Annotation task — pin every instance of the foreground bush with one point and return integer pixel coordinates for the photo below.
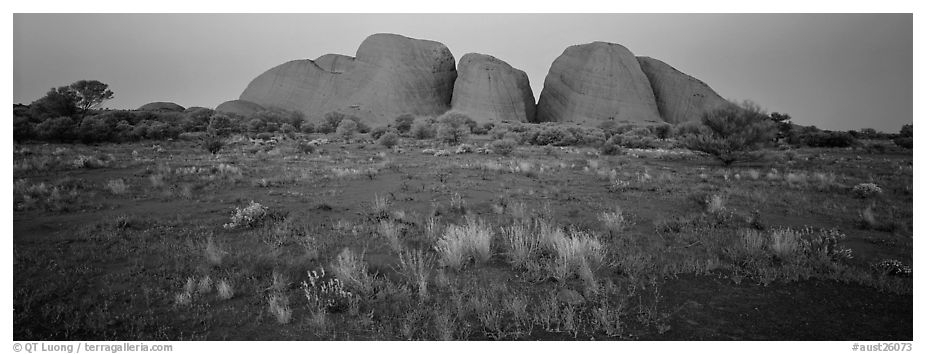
(733, 133)
(453, 127)
(462, 243)
(389, 139)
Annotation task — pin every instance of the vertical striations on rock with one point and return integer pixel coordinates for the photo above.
(595, 82)
(489, 90)
(680, 97)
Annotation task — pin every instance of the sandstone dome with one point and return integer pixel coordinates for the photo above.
(239, 107)
(680, 97)
(489, 90)
(390, 75)
(596, 82)
(161, 106)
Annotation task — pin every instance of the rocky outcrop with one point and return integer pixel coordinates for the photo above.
(390, 75)
(161, 106)
(595, 82)
(680, 97)
(489, 90)
(239, 107)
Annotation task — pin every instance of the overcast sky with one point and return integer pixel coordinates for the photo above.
(835, 71)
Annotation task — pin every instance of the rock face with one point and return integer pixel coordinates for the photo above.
(161, 106)
(595, 82)
(390, 75)
(680, 97)
(240, 107)
(489, 90)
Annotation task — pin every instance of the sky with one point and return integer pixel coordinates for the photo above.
(835, 71)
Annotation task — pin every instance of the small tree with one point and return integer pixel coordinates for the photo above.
(403, 123)
(330, 122)
(213, 143)
(389, 139)
(453, 127)
(60, 102)
(60, 129)
(422, 130)
(347, 128)
(221, 124)
(90, 94)
(733, 133)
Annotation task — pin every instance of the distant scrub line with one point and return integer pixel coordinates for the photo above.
(730, 133)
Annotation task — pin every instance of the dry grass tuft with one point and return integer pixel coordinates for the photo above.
(521, 244)
(225, 290)
(416, 267)
(460, 243)
(279, 308)
(352, 271)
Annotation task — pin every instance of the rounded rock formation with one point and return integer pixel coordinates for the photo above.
(161, 106)
(680, 97)
(390, 75)
(596, 82)
(489, 90)
(239, 107)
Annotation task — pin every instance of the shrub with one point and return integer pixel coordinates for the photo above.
(827, 139)
(453, 127)
(377, 132)
(248, 217)
(422, 130)
(117, 186)
(661, 131)
(213, 143)
(503, 147)
(347, 128)
(389, 139)
(634, 141)
(733, 133)
(498, 131)
(610, 147)
(60, 129)
(904, 142)
(330, 122)
(865, 190)
(57, 102)
(554, 135)
(403, 123)
(221, 125)
(22, 128)
(95, 129)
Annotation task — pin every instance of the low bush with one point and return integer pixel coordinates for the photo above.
(453, 127)
(422, 130)
(503, 147)
(389, 139)
(733, 133)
